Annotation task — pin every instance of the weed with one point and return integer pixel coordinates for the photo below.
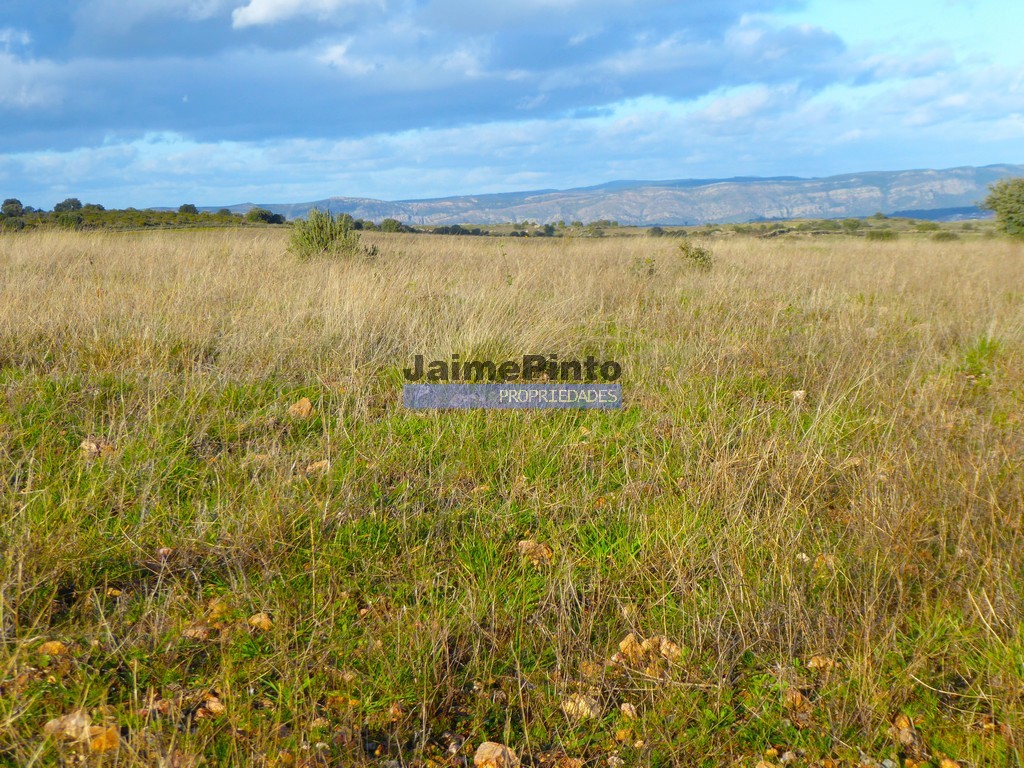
(696, 256)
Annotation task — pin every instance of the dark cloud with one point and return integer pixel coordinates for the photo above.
(182, 66)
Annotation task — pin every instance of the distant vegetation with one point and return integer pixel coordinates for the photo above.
(71, 214)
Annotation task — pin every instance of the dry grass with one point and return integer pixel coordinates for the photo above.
(874, 521)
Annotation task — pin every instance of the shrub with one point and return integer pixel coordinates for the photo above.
(69, 220)
(946, 235)
(12, 224)
(391, 225)
(188, 208)
(882, 234)
(927, 226)
(323, 234)
(696, 256)
(644, 266)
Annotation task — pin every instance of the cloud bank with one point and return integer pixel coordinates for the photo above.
(430, 97)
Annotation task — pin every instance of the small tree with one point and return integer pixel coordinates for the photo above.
(391, 225)
(188, 208)
(1006, 198)
(12, 207)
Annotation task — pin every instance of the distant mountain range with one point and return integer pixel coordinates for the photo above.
(953, 193)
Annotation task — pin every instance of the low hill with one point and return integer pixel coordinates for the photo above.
(952, 193)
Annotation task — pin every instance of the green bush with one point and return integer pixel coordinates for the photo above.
(323, 234)
(882, 234)
(945, 235)
(69, 220)
(696, 256)
(927, 226)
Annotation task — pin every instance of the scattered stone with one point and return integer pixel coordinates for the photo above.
(103, 738)
(580, 707)
(261, 621)
(302, 409)
(53, 648)
(96, 448)
(317, 467)
(537, 553)
(490, 754)
(821, 663)
(72, 727)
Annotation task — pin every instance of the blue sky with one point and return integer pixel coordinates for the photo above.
(159, 102)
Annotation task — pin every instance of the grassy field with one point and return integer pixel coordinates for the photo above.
(800, 542)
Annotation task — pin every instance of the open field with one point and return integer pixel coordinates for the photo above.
(812, 504)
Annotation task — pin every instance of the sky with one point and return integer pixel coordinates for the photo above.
(217, 102)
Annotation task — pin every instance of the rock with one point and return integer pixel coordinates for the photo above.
(580, 707)
(537, 553)
(303, 409)
(53, 648)
(261, 621)
(490, 754)
(103, 738)
(72, 727)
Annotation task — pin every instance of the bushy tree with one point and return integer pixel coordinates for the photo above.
(262, 214)
(391, 225)
(1006, 198)
(12, 207)
(68, 206)
(188, 208)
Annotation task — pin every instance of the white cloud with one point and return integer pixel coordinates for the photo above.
(28, 84)
(258, 12)
(10, 37)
